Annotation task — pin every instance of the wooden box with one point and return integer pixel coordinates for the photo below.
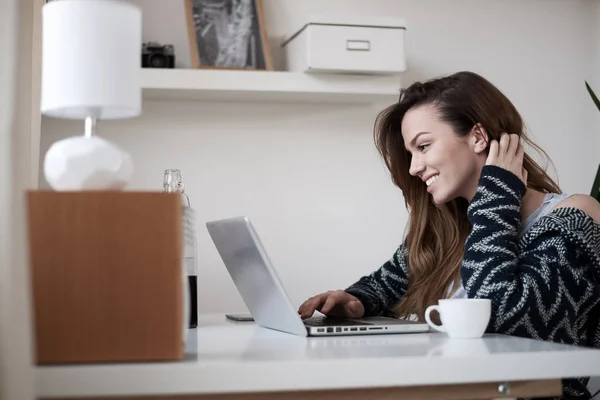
(107, 279)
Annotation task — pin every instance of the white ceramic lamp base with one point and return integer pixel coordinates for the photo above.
(87, 163)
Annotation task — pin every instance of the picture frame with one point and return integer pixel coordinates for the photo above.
(228, 34)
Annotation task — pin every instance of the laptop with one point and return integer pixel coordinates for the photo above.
(246, 260)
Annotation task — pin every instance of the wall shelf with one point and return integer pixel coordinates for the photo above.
(267, 86)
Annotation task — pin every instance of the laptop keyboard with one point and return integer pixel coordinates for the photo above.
(331, 321)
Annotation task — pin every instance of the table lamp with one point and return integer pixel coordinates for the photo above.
(90, 71)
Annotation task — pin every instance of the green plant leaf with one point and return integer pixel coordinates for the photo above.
(593, 95)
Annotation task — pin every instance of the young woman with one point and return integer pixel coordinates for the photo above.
(485, 221)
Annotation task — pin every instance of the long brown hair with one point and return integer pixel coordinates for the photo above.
(437, 233)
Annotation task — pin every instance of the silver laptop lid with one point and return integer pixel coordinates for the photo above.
(250, 268)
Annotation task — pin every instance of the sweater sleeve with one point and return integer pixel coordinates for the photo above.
(384, 287)
(539, 293)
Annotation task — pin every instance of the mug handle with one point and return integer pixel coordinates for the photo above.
(428, 311)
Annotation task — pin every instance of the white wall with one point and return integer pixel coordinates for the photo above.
(308, 175)
(16, 372)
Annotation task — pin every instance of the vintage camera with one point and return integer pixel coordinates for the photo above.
(155, 55)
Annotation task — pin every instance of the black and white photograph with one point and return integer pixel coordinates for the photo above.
(228, 34)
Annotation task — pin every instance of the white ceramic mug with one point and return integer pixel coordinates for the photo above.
(461, 318)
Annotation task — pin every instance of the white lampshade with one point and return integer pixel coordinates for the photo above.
(91, 56)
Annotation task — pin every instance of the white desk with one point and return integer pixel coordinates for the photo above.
(230, 358)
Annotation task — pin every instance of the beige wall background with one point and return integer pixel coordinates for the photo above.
(16, 149)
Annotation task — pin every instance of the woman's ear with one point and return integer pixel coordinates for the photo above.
(480, 138)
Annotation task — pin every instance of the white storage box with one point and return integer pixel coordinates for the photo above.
(365, 46)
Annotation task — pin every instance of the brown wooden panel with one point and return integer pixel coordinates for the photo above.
(476, 391)
(106, 275)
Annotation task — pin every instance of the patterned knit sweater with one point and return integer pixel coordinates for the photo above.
(544, 286)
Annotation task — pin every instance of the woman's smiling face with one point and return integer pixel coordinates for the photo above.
(448, 164)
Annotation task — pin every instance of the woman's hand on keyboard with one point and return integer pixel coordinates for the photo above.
(335, 303)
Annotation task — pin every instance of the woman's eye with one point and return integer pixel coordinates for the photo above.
(423, 146)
